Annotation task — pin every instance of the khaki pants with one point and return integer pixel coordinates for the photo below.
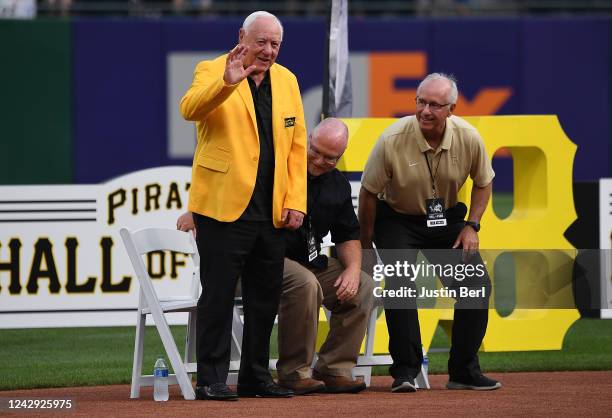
(303, 292)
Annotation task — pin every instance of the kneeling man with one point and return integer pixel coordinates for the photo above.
(311, 279)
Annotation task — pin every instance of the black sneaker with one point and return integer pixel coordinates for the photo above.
(403, 384)
(478, 382)
(216, 392)
(263, 390)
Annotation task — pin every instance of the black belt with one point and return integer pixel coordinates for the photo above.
(455, 214)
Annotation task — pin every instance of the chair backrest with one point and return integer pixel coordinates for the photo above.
(155, 239)
(146, 240)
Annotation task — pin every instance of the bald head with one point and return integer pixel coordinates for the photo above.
(328, 142)
(331, 132)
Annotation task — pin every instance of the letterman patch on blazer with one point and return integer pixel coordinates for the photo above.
(289, 122)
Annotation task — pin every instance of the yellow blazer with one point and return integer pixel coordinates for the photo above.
(227, 153)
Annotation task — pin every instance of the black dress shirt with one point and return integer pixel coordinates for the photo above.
(330, 208)
(260, 205)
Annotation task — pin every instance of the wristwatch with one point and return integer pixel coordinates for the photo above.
(474, 225)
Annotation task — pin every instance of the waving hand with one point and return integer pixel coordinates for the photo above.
(234, 65)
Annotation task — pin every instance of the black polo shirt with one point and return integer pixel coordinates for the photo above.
(330, 208)
(260, 205)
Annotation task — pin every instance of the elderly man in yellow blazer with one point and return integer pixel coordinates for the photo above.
(248, 185)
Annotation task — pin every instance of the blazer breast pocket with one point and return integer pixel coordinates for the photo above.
(214, 164)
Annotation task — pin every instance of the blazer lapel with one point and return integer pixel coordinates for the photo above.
(245, 92)
(276, 102)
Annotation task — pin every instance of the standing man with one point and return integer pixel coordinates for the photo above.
(408, 200)
(248, 184)
(310, 278)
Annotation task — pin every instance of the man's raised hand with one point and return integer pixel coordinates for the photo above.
(234, 65)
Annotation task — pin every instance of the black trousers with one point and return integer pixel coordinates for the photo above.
(395, 231)
(255, 252)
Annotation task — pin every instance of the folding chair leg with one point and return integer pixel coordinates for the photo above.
(141, 322)
(236, 348)
(422, 380)
(365, 372)
(237, 328)
(183, 379)
(190, 340)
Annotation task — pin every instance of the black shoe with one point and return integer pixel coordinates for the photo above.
(263, 390)
(477, 382)
(403, 384)
(216, 391)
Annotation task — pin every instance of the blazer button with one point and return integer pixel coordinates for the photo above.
(254, 158)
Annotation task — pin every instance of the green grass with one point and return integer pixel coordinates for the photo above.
(503, 203)
(587, 346)
(31, 358)
(34, 358)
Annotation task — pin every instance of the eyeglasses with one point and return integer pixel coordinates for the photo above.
(327, 159)
(432, 105)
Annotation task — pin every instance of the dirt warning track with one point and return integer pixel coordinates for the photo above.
(550, 393)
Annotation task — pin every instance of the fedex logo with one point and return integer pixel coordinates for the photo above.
(377, 92)
(387, 100)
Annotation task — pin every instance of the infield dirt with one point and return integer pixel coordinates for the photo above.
(522, 394)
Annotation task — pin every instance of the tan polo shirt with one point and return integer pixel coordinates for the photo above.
(397, 169)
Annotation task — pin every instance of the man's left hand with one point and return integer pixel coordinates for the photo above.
(347, 284)
(292, 219)
(468, 240)
(185, 223)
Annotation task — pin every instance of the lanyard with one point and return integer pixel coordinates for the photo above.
(434, 174)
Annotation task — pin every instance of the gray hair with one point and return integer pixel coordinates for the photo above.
(250, 19)
(452, 98)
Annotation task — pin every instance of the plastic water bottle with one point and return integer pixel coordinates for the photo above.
(160, 380)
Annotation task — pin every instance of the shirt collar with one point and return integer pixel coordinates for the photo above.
(264, 83)
(447, 139)
(321, 177)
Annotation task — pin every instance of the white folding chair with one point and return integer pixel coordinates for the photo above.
(368, 359)
(137, 244)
